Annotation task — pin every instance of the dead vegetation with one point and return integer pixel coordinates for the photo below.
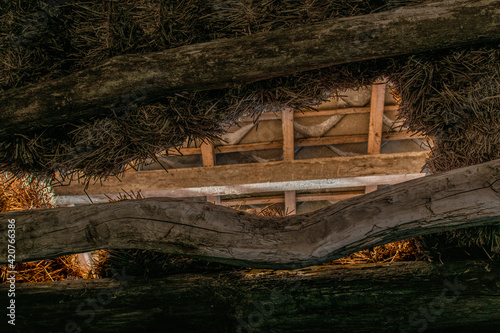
(22, 194)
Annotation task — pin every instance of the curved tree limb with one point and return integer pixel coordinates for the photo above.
(460, 198)
(230, 62)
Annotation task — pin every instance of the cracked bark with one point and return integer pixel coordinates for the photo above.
(457, 199)
(395, 297)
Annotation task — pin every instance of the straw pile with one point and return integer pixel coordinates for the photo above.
(454, 97)
(25, 193)
(40, 41)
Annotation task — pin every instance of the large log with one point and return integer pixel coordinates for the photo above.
(456, 199)
(459, 297)
(230, 62)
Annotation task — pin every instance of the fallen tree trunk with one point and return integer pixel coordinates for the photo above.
(399, 297)
(230, 62)
(456, 199)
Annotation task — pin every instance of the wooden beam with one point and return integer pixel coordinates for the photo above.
(227, 62)
(268, 200)
(316, 113)
(288, 155)
(460, 198)
(296, 185)
(208, 160)
(321, 168)
(207, 154)
(342, 139)
(458, 297)
(307, 142)
(290, 203)
(376, 123)
(288, 135)
(376, 118)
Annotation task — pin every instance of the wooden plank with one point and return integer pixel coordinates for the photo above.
(357, 110)
(290, 203)
(326, 140)
(321, 168)
(207, 154)
(376, 118)
(376, 123)
(342, 139)
(302, 185)
(288, 135)
(288, 155)
(313, 113)
(268, 200)
(250, 147)
(208, 159)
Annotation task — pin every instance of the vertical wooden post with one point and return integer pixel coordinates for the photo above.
(288, 155)
(376, 122)
(208, 159)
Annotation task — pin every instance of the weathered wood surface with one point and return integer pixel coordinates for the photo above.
(456, 199)
(252, 173)
(459, 297)
(297, 185)
(306, 142)
(229, 62)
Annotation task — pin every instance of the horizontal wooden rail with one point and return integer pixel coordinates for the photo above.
(447, 201)
(305, 197)
(317, 113)
(278, 144)
(252, 173)
(207, 191)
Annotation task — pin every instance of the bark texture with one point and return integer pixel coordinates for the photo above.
(399, 297)
(457, 199)
(230, 62)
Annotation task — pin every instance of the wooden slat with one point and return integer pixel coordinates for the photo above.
(326, 140)
(249, 147)
(320, 168)
(313, 113)
(208, 159)
(268, 200)
(376, 123)
(207, 154)
(313, 184)
(376, 118)
(288, 139)
(290, 203)
(342, 139)
(288, 155)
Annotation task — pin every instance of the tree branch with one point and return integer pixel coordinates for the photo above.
(460, 198)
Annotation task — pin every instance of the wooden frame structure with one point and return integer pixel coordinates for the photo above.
(288, 176)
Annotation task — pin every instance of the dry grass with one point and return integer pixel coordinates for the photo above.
(25, 193)
(61, 268)
(454, 97)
